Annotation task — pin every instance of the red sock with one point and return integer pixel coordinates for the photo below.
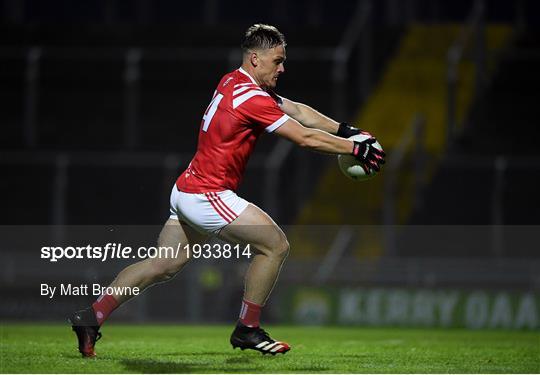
(103, 307)
(250, 314)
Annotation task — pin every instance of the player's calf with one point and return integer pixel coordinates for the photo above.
(162, 270)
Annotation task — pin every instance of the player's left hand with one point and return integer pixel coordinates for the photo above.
(345, 131)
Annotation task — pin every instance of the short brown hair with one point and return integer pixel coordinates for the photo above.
(261, 36)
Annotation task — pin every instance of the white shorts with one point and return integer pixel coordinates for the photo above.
(206, 212)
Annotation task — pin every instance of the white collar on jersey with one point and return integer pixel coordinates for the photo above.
(247, 74)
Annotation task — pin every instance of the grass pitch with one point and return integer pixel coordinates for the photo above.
(43, 348)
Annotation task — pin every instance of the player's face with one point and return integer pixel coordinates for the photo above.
(270, 66)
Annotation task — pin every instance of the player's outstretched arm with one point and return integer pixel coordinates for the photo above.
(321, 141)
(314, 139)
(311, 118)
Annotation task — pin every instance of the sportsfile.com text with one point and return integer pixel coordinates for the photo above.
(119, 251)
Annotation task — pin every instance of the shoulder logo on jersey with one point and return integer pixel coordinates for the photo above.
(227, 82)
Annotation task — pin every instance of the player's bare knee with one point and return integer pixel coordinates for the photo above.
(286, 248)
(281, 250)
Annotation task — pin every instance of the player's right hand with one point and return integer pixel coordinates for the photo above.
(368, 154)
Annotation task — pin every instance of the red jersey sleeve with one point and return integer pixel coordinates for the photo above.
(258, 107)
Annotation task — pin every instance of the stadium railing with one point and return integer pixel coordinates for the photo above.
(414, 135)
(474, 27)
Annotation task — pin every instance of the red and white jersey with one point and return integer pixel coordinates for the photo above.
(239, 112)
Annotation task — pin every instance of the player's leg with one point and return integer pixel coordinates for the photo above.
(86, 323)
(254, 227)
(268, 242)
(152, 271)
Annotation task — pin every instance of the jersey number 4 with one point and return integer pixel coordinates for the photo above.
(211, 111)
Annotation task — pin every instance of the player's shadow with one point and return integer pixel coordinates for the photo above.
(191, 354)
(309, 369)
(148, 366)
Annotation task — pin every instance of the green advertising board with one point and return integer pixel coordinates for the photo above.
(473, 309)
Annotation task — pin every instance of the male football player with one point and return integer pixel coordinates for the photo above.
(203, 199)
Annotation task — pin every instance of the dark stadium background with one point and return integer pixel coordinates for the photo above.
(101, 104)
